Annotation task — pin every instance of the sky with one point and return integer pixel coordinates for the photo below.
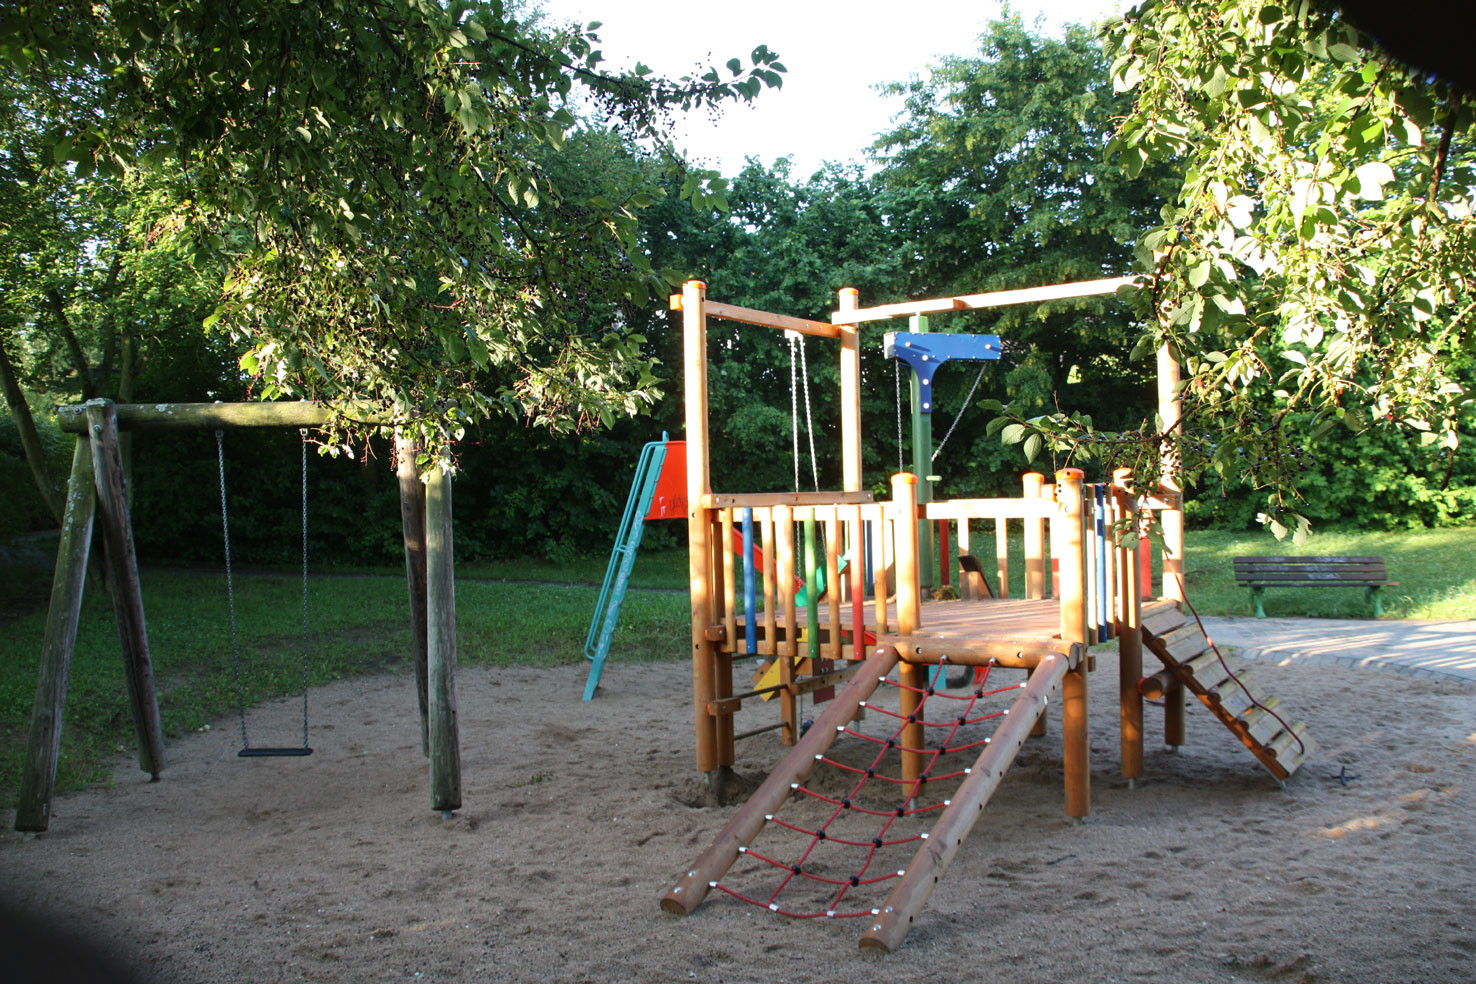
(836, 53)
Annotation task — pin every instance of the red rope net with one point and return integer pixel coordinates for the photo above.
(855, 823)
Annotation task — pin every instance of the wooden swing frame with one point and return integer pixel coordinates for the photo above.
(97, 494)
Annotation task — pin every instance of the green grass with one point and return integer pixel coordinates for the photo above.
(1436, 571)
(653, 569)
(358, 625)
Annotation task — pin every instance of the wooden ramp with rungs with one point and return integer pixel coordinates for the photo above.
(1227, 689)
(888, 924)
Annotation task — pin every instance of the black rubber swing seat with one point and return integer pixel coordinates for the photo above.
(297, 752)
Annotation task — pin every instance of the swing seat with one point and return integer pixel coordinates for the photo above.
(295, 752)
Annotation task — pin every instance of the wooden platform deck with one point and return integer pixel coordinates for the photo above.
(1011, 631)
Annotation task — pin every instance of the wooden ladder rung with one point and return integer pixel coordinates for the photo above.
(1183, 646)
(1288, 741)
(1235, 694)
(1209, 670)
(1163, 621)
(1260, 724)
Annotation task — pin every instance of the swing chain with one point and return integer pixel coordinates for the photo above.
(794, 410)
(231, 589)
(303, 434)
(959, 416)
(897, 375)
(809, 421)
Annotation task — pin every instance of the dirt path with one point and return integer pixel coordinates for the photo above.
(333, 867)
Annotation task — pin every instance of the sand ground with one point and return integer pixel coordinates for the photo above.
(333, 867)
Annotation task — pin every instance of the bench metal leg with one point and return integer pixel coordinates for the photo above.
(1371, 595)
(1256, 598)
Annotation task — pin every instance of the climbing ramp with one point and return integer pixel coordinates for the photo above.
(856, 839)
(1227, 689)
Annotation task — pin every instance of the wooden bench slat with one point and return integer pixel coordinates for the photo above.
(1310, 560)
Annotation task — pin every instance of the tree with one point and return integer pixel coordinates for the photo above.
(994, 176)
(375, 175)
(1314, 269)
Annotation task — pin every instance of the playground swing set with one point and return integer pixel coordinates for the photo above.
(874, 620)
(97, 492)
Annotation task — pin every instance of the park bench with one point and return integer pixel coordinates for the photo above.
(1260, 573)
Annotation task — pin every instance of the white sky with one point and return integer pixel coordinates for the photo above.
(835, 52)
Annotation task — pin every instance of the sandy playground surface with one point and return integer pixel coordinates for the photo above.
(333, 868)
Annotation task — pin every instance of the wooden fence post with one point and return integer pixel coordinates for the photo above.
(445, 743)
(33, 812)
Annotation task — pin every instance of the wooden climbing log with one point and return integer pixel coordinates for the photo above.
(412, 522)
(445, 744)
(930, 862)
(740, 831)
(121, 564)
(38, 778)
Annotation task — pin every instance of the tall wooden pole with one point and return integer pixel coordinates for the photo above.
(1170, 411)
(699, 485)
(1071, 595)
(1129, 634)
(445, 742)
(922, 462)
(1032, 483)
(412, 521)
(121, 562)
(850, 395)
(43, 748)
(909, 617)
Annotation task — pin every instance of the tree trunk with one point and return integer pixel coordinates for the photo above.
(30, 439)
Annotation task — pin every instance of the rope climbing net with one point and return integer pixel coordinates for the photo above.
(852, 821)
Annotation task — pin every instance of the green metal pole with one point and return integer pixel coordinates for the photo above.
(812, 591)
(922, 464)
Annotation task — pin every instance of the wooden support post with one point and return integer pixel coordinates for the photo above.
(33, 812)
(850, 393)
(879, 539)
(1071, 594)
(699, 485)
(121, 563)
(789, 652)
(445, 742)
(1034, 540)
(722, 669)
(858, 586)
(909, 615)
(770, 647)
(412, 522)
(1173, 715)
(1129, 629)
(1170, 411)
(1002, 556)
(886, 931)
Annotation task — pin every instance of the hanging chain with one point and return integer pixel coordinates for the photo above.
(809, 422)
(959, 416)
(225, 525)
(794, 411)
(303, 433)
(898, 376)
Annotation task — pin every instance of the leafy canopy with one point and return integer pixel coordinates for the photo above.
(380, 175)
(1316, 262)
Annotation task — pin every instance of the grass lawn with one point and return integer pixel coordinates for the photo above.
(359, 625)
